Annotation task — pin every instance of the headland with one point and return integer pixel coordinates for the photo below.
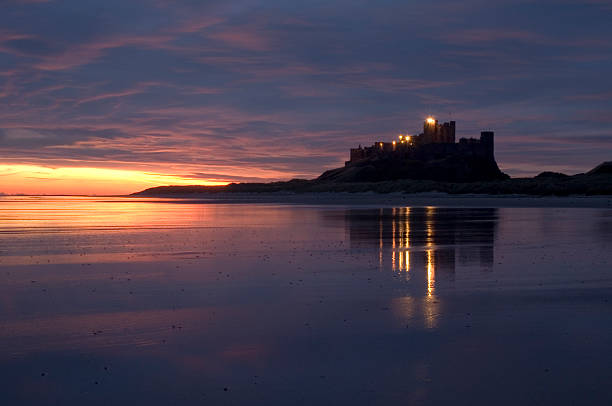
(431, 161)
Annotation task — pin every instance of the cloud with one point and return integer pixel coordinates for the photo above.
(248, 38)
(481, 35)
(591, 96)
(138, 89)
(255, 90)
(86, 53)
(28, 1)
(27, 46)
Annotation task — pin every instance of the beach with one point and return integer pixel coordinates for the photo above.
(396, 199)
(305, 299)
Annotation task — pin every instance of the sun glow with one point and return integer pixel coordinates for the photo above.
(431, 120)
(33, 179)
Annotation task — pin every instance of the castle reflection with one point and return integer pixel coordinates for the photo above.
(425, 243)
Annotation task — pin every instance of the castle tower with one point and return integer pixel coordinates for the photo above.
(433, 132)
(430, 128)
(486, 139)
(448, 133)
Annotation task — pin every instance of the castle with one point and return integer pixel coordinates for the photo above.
(437, 141)
(430, 155)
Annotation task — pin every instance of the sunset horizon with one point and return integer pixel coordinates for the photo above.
(259, 92)
(321, 202)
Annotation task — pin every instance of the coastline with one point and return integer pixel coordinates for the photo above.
(392, 199)
(597, 182)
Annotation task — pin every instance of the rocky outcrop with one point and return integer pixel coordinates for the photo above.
(454, 168)
(551, 175)
(603, 168)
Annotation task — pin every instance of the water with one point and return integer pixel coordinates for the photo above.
(160, 301)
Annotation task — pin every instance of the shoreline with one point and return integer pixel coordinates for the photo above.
(362, 199)
(394, 199)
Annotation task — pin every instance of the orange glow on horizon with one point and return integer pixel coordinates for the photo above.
(431, 120)
(33, 179)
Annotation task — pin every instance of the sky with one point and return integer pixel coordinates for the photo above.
(110, 97)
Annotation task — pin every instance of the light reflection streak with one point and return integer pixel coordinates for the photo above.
(431, 275)
(430, 261)
(431, 308)
(402, 249)
(380, 239)
(400, 240)
(393, 241)
(425, 245)
(401, 252)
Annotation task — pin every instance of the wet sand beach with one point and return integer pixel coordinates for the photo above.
(346, 299)
(394, 199)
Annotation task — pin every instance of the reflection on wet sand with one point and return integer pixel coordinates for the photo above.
(422, 244)
(121, 301)
(430, 239)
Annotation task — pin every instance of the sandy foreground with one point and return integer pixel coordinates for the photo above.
(320, 299)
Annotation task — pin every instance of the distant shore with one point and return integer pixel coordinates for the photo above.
(548, 189)
(543, 185)
(363, 199)
(395, 199)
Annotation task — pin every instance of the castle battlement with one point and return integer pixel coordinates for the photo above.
(437, 141)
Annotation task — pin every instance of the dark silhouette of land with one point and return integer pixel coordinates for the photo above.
(430, 161)
(595, 182)
(455, 167)
(427, 162)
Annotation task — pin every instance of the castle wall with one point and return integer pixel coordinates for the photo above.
(436, 142)
(426, 152)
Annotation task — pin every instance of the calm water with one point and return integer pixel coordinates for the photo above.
(163, 302)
